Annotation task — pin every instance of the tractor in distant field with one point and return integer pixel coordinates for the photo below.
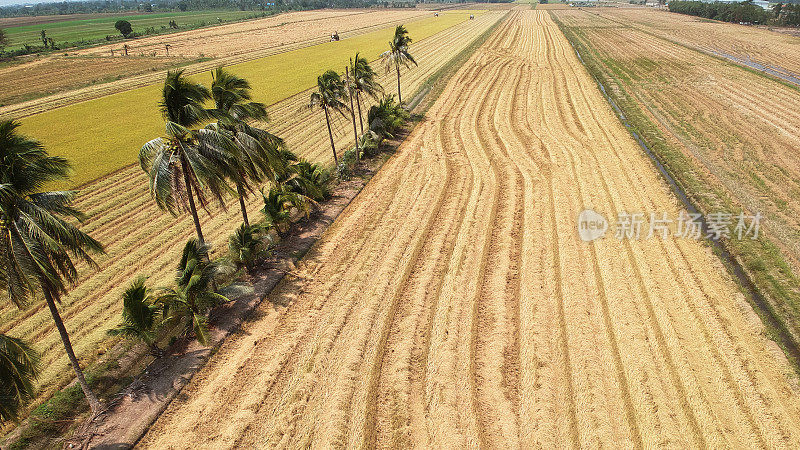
(335, 36)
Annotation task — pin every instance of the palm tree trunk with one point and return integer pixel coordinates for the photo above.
(330, 134)
(399, 96)
(360, 118)
(192, 208)
(240, 190)
(353, 116)
(94, 403)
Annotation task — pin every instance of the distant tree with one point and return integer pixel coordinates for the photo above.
(44, 37)
(124, 27)
(37, 242)
(19, 367)
(183, 6)
(328, 96)
(398, 55)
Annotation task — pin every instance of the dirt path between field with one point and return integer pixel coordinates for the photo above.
(453, 304)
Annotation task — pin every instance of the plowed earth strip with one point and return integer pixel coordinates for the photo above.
(453, 304)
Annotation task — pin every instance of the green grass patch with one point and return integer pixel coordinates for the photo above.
(97, 28)
(103, 135)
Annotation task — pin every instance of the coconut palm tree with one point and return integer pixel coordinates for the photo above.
(329, 95)
(259, 152)
(398, 55)
(247, 244)
(185, 163)
(37, 243)
(278, 204)
(349, 84)
(365, 81)
(19, 367)
(194, 294)
(139, 315)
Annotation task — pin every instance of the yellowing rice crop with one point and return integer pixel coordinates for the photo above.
(103, 135)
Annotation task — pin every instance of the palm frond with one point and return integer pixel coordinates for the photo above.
(19, 368)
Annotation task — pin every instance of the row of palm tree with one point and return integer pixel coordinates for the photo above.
(333, 90)
(204, 153)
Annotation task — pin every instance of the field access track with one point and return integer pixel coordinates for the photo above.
(453, 304)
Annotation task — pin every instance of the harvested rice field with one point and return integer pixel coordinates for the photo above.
(454, 305)
(728, 133)
(757, 44)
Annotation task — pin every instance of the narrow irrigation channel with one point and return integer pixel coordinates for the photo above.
(762, 306)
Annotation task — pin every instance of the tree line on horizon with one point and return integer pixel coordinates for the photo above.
(744, 12)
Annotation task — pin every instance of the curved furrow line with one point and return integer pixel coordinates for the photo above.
(405, 368)
(500, 315)
(336, 408)
(434, 401)
(482, 407)
(393, 418)
(371, 394)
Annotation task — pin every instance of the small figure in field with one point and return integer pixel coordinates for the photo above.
(112, 52)
(436, 14)
(125, 47)
(166, 46)
(335, 36)
(471, 16)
